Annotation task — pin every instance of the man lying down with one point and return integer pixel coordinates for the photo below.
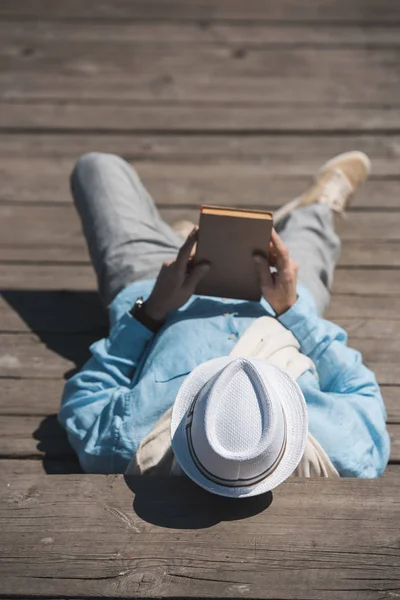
(237, 395)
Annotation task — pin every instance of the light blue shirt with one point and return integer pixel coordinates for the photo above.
(133, 376)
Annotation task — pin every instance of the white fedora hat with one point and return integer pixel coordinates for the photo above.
(239, 426)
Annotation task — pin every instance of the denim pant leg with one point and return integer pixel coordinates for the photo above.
(126, 237)
(309, 234)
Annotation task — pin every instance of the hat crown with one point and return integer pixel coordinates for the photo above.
(238, 427)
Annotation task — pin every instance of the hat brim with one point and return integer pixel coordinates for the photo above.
(293, 405)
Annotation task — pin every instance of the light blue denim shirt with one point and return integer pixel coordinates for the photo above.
(133, 376)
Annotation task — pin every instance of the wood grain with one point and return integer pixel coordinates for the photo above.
(340, 12)
(53, 69)
(279, 155)
(26, 33)
(46, 180)
(30, 437)
(177, 540)
(137, 117)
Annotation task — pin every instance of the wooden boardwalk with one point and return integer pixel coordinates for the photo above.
(230, 102)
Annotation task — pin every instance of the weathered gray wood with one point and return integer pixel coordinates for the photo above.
(27, 397)
(50, 356)
(337, 11)
(138, 117)
(233, 184)
(69, 116)
(28, 437)
(297, 155)
(167, 71)
(60, 277)
(331, 538)
(28, 32)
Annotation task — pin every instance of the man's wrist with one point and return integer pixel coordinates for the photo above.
(141, 314)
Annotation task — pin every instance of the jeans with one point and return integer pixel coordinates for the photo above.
(128, 240)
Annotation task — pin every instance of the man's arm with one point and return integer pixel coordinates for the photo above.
(347, 415)
(96, 400)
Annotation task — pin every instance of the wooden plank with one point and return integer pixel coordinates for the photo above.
(142, 71)
(57, 234)
(336, 11)
(46, 180)
(24, 397)
(313, 535)
(11, 467)
(30, 437)
(52, 311)
(252, 34)
(43, 278)
(296, 155)
(73, 117)
(344, 306)
(48, 356)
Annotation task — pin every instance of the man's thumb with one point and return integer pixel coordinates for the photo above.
(263, 270)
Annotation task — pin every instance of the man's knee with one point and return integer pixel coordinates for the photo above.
(90, 165)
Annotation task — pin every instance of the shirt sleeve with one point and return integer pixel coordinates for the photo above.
(94, 402)
(346, 413)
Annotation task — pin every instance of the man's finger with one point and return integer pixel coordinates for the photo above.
(186, 249)
(196, 274)
(282, 253)
(263, 270)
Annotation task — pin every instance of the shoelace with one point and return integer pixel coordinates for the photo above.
(335, 191)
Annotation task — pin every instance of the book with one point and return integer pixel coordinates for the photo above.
(228, 239)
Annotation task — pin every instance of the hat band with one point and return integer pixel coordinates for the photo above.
(246, 482)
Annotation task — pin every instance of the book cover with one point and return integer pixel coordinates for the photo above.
(228, 238)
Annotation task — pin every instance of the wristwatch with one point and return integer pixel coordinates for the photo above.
(139, 313)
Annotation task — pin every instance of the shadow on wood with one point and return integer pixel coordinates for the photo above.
(54, 446)
(59, 311)
(66, 322)
(178, 503)
(61, 319)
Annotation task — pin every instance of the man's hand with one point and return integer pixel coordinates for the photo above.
(176, 282)
(279, 289)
